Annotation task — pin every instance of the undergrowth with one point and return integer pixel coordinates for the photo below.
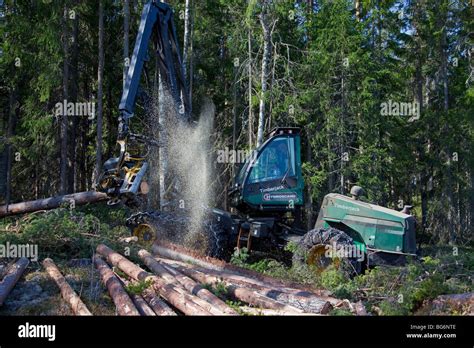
(385, 290)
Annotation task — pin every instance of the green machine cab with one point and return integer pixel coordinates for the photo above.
(267, 198)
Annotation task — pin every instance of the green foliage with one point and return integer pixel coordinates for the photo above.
(291, 246)
(239, 257)
(220, 290)
(137, 288)
(65, 234)
(235, 305)
(341, 312)
(402, 290)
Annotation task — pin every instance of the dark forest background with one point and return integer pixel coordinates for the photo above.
(325, 66)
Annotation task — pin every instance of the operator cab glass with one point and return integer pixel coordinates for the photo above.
(276, 161)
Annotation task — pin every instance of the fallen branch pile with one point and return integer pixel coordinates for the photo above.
(176, 287)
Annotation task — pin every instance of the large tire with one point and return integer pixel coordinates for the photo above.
(311, 249)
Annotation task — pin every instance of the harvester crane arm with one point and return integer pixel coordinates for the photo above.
(123, 174)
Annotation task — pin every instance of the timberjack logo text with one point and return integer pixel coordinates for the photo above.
(37, 331)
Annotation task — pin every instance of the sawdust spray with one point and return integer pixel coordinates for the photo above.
(186, 156)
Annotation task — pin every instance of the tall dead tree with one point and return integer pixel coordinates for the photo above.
(187, 47)
(187, 35)
(267, 25)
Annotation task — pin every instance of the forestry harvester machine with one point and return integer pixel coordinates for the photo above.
(267, 194)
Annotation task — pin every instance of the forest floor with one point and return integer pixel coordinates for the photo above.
(70, 237)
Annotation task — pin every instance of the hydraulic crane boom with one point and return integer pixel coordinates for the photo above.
(122, 175)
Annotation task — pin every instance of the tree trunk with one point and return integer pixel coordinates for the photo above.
(187, 36)
(305, 301)
(63, 170)
(174, 252)
(52, 202)
(184, 302)
(168, 277)
(357, 9)
(72, 160)
(451, 221)
(267, 51)
(126, 41)
(12, 119)
(122, 301)
(138, 300)
(159, 306)
(11, 278)
(68, 294)
(309, 197)
(250, 120)
(241, 293)
(100, 74)
(189, 284)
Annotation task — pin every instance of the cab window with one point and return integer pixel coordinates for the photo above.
(276, 161)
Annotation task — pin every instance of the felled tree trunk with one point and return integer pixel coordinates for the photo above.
(461, 302)
(186, 303)
(304, 300)
(266, 311)
(179, 253)
(122, 301)
(68, 294)
(75, 199)
(11, 278)
(189, 284)
(244, 294)
(138, 300)
(159, 306)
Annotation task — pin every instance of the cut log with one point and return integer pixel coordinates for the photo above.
(123, 302)
(267, 311)
(68, 294)
(80, 198)
(167, 276)
(304, 300)
(360, 308)
(218, 307)
(138, 300)
(463, 303)
(186, 303)
(179, 253)
(244, 294)
(142, 306)
(13, 274)
(158, 305)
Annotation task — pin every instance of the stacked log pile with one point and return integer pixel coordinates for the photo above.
(174, 287)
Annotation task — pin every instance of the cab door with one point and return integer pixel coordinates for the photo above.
(274, 178)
